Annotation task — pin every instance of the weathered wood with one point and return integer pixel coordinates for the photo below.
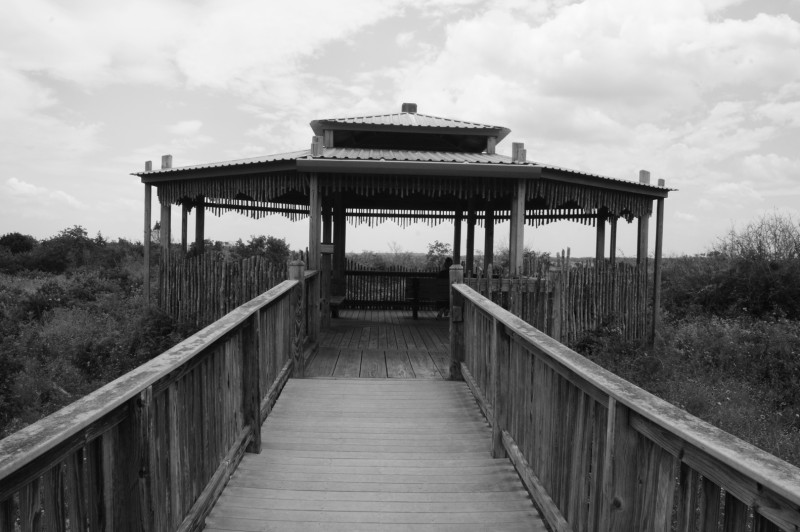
(145, 459)
(498, 356)
(488, 238)
(654, 323)
(456, 327)
(457, 236)
(53, 501)
(470, 267)
(184, 228)
(251, 384)
(315, 222)
(7, 515)
(200, 223)
(148, 227)
(516, 241)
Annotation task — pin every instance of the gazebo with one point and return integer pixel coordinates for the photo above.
(407, 167)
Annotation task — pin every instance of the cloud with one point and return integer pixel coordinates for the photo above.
(185, 128)
(685, 216)
(20, 190)
(404, 39)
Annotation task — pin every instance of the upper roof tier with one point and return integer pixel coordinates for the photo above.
(408, 130)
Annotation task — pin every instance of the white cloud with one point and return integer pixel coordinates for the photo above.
(43, 196)
(404, 39)
(685, 216)
(185, 128)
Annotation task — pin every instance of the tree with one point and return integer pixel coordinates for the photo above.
(17, 242)
(437, 252)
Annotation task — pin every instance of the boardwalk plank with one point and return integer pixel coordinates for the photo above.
(324, 363)
(423, 365)
(373, 364)
(349, 363)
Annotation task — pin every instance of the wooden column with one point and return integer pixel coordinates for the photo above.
(488, 242)
(644, 226)
(600, 246)
(516, 239)
(338, 281)
(325, 285)
(470, 238)
(657, 266)
(184, 227)
(251, 383)
(166, 238)
(612, 245)
(148, 227)
(200, 224)
(314, 222)
(457, 236)
(297, 272)
(327, 226)
(456, 323)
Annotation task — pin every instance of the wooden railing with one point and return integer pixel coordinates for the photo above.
(369, 288)
(153, 449)
(600, 454)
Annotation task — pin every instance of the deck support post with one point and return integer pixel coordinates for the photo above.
(251, 383)
(165, 237)
(612, 244)
(456, 323)
(314, 219)
(517, 231)
(600, 245)
(457, 236)
(339, 283)
(199, 224)
(148, 227)
(297, 272)
(488, 241)
(184, 227)
(657, 268)
(325, 286)
(644, 226)
(470, 270)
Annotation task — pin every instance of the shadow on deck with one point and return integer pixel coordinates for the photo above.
(383, 344)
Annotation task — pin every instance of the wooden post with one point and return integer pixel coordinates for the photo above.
(314, 219)
(600, 252)
(657, 267)
(339, 284)
(145, 460)
(148, 226)
(251, 383)
(517, 232)
(470, 237)
(612, 245)
(297, 272)
(166, 236)
(500, 383)
(644, 225)
(456, 323)
(488, 242)
(199, 224)
(457, 236)
(620, 482)
(327, 229)
(184, 227)
(325, 285)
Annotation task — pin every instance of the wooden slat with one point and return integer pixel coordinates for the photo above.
(398, 366)
(373, 363)
(349, 364)
(377, 453)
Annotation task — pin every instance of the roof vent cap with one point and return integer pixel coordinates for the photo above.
(409, 108)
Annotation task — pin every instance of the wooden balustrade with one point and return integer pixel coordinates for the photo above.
(153, 449)
(368, 288)
(600, 454)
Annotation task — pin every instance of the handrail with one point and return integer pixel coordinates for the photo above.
(183, 417)
(538, 392)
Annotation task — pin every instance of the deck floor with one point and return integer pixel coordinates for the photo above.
(383, 344)
(385, 455)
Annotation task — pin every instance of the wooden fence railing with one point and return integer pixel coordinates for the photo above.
(369, 288)
(204, 288)
(153, 449)
(600, 454)
(568, 302)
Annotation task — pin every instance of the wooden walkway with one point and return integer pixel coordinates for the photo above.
(390, 455)
(383, 344)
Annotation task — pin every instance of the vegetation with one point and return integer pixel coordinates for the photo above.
(729, 345)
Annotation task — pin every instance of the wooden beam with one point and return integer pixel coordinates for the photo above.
(165, 237)
(417, 168)
(657, 269)
(314, 222)
(327, 225)
(148, 227)
(199, 224)
(184, 227)
(517, 231)
(457, 237)
(470, 237)
(488, 242)
(339, 237)
(600, 244)
(612, 245)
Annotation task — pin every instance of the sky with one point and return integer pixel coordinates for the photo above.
(702, 93)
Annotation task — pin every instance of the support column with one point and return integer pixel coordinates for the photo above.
(457, 236)
(516, 239)
(200, 224)
(148, 225)
(644, 226)
(612, 245)
(339, 281)
(470, 238)
(657, 266)
(600, 251)
(488, 242)
(164, 263)
(314, 225)
(184, 227)
(327, 230)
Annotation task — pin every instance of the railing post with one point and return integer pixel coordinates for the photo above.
(620, 481)
(456, 323)
(499, 363)
(145, 456)
(297, 272)
(251, 383)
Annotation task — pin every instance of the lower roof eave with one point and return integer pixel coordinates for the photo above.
(349, 166)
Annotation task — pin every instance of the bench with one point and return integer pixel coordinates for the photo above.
(334, 303)
(427, 290)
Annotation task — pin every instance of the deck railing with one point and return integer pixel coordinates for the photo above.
(370, 288)
(153, 449)
(600, 454)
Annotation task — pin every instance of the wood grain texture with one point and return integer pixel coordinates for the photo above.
(378, 454)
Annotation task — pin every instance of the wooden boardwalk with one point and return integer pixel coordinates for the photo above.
(356, 454)
(383, 344)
